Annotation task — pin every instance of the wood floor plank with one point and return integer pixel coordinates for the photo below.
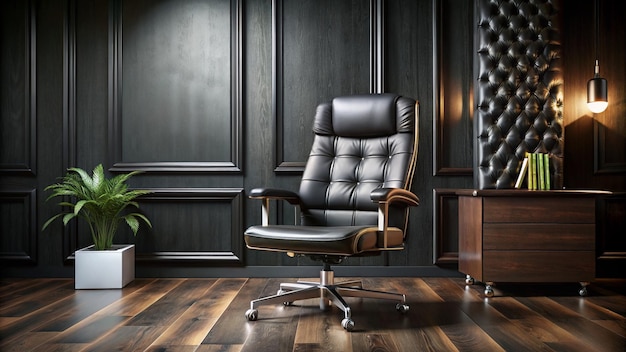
(91, 330)
(70, 347)
(616, 326)
(550, 334)
(60, 315)
(25, 301)
(12, 287)
(587, 331)
(80, 306)
(219, 348)
(232, 326)
(128, 338)
(109, 319)
(276, 327)
(195, 323)
(321, 328)
(383, 328)
(498, 327)
(30, 342)
(442, 303)
(612, 302)
(167, 309)
(138, 301)
(586, 308)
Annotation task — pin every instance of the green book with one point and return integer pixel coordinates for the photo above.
(546, 165)
(541, 172)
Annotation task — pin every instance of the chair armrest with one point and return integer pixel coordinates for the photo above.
(275, 193)
(394, 195)
(386, 197)
(267, 194)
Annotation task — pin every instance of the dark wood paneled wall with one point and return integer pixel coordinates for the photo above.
(595, 144)
(214, 97)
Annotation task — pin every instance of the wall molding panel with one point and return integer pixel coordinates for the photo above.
(19, 86)
(208, 219)
(445, 227)
(69, 87)
(19, 226)
(201, 226)
(452, 93)
(334, 59)
(608, 153)
(175, 76)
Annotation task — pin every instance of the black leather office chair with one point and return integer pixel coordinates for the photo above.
(353, 199)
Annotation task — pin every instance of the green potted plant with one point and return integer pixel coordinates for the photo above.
(104, 204)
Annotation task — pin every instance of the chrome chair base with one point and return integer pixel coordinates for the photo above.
(328, 293)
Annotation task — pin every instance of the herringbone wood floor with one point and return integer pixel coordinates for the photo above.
(208, 315)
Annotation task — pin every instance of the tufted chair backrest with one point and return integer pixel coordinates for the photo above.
(518, 90)
(362, 142)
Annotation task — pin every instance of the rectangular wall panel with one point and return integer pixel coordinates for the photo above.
(190, 225)
(18, 142)
(609, 143)
(445, 227)
(18, 226)
(453, 101)
(175, 85)
(321, 50)
(610, 126)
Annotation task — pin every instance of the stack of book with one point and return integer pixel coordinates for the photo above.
(536, 169)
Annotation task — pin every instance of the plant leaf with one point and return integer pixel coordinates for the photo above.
(132, 222)
(47, 223)
(67, 217)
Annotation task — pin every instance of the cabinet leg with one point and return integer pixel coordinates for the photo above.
(583, 288)
(469, 280)
(489, 289)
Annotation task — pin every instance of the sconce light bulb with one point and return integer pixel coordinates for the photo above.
(597, 106)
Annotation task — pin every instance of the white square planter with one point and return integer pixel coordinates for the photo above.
(113, 268)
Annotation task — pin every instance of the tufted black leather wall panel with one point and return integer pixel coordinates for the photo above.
(519, 90)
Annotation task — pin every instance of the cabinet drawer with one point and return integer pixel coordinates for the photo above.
(538, 266)
(539, 210)
(527, 236)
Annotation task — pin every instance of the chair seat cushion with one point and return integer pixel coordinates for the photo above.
(338, 240)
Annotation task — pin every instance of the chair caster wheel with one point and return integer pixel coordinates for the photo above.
(402, 308)
(582, 291)
(347, 324)
(280, 292)
(469, 280)
(488, 291)
(252, 314)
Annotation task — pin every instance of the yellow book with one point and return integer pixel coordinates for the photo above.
(529, 179)
(533, 171)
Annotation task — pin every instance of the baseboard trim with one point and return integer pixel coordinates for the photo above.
(301, 271)
(249, 271)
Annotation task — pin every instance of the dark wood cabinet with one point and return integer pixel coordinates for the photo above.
(527, 236)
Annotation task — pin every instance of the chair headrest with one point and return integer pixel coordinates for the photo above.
(367, 115)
